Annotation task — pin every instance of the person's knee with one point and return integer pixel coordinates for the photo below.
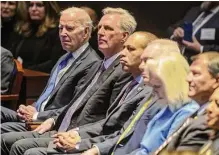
(17, 147)
(7, 139)
(38, 151)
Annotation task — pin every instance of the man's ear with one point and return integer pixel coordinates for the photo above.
(125, 36)
(86, 32)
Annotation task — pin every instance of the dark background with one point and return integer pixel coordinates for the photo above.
(152, 16)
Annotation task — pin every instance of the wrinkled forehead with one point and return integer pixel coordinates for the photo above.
(152, 51)
(69, 18)
(199, 64)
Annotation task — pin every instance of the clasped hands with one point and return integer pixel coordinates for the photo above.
(26, 112)
(66, 141)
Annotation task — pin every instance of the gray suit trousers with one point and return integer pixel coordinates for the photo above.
(17, 143)
(8, 115)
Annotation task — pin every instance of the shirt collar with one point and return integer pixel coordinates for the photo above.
(110, 60)
(139, 79)
(80, 50)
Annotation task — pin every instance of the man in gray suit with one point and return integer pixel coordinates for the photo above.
(203, 82)
(92, 105)
(8, 66)
(69, 77)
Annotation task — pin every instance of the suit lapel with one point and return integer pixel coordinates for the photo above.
(154, 99)
(99, 82)
(71, 70)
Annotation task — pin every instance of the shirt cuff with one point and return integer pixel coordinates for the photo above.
(35, 116)
(97, 149)
(201, 49)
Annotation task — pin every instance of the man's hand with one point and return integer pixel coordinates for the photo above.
(26, 112)
(178, 33)
(92, 151)
(66, 141)
(45, 126)
(21, 112)
(195, 45)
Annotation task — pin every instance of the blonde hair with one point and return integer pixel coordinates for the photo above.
(127, 22)
(212, 60)
(173, 69)
(83, 18)
(50, 20)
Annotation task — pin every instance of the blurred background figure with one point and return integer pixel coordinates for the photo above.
(12, 14)
(40, 47)
(204, 31)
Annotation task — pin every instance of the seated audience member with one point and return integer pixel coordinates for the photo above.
(8, 70)
(40, 47)
(167, 76)
(203, 82)
(113, 30)
(93, 39)
(177, 105)
(69, 77)
(12, 14)
(205, 33)
(130, 97)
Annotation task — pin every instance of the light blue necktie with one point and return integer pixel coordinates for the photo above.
(52, 81)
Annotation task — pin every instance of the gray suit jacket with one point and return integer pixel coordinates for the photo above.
(7, 67)
(117, 115)
(95, 104)
(73, 82)
(192, 137)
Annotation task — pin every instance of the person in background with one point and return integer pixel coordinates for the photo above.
(205, 33)
(13, 14)
(40, 46)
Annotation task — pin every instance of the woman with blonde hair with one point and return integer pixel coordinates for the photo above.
(167, 76)
(40, 46)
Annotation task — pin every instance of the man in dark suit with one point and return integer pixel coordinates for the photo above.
(92, 105)
(205, 29)
(69, 77)
(203, 82)
(8, 70)
(123, 106)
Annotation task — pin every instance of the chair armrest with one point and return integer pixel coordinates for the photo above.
(9, 97)
(32, 125)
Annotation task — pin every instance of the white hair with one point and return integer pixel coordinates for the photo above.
(128, 22)
(83, 18)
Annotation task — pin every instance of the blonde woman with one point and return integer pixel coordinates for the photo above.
(167, 75)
